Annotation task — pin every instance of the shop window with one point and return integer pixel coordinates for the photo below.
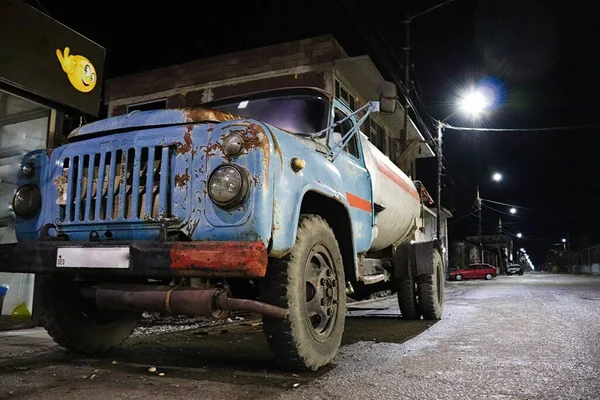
(23, 128)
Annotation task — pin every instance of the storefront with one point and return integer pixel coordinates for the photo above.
(47, 71)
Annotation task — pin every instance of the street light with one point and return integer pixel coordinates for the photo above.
(519, 235)
(522, 249)
(497, 177)
(472, 103)
(564, 240)
(513, 210)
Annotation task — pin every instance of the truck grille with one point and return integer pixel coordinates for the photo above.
(118, 185)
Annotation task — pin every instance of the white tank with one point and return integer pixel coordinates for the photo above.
(396, 192)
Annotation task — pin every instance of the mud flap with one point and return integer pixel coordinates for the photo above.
(414, 259)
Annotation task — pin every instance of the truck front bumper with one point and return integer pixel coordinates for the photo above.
(146, 259)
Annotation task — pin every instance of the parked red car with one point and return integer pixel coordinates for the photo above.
(474, 271)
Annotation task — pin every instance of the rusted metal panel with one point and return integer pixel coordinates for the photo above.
(244, 259)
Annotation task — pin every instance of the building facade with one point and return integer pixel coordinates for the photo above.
(316, 62)
(37, 90)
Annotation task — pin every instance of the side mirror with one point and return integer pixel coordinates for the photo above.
(387, 97)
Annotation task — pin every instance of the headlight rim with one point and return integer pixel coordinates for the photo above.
(242, 193)
(37, 204)
(30, 172)
(230, 137)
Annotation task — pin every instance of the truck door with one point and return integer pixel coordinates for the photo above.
(356, 180)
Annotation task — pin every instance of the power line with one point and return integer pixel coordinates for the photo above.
(554, 128)
(512, 205)
(430, 9)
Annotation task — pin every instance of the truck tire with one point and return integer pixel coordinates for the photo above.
(430, 289)
(75, 323)
(309, 282)
(407, 299)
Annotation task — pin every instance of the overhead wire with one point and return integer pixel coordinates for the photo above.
(553, 128)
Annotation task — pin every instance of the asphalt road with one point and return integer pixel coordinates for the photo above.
(524, 337)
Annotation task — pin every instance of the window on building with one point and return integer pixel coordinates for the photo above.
(377, 135)
(344, 95)
(147, 106)
(341, 130)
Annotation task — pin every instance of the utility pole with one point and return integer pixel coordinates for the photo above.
(440, 134)
(404, 132)
(479, 223)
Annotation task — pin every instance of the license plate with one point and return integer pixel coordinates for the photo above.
(93, 257)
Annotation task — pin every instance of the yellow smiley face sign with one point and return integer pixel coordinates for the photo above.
(79, 70)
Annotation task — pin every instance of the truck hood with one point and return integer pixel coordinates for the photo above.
(151, 119)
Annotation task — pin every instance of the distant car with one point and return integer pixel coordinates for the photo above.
(474, 271)
(514, 269)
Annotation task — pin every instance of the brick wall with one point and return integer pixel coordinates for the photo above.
(306, 52)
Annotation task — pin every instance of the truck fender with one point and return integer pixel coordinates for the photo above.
(414, 259)
(290, 227)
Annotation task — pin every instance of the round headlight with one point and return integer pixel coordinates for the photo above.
(228, 185)
(28, 170)
(233, 144)
(27, 201)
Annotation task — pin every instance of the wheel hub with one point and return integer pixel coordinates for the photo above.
(321, 293)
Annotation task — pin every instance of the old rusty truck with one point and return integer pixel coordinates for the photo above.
(271, 203)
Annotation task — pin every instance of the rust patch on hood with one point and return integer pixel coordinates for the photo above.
(186, 146)
(198, 114)
(182, 179)
(256, 137)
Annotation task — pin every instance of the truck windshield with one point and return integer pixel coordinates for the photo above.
(299, 114)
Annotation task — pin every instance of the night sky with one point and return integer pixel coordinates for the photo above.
(542, 56)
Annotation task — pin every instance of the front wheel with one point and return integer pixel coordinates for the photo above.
(309, 282)
(458, 277)
(76, 323)
(488, 277)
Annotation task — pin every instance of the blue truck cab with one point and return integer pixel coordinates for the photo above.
(264, 196)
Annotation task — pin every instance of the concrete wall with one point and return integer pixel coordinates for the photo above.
(300, 63)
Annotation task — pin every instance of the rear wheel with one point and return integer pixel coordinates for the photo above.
(309, 282)
(459, 277)
(488, 277)
(431, 289)
(76, 323)
(407, 299)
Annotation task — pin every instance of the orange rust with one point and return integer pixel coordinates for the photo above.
(199, 114)
(182, 179)
(221, 259)
(185, 147)
(255, 137)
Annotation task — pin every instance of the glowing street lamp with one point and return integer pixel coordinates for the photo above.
(519, 235)
(497, 177)
(474, 103)
(513, 210)
(564, 240)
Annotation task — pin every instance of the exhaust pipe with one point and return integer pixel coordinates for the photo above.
(215, 303)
